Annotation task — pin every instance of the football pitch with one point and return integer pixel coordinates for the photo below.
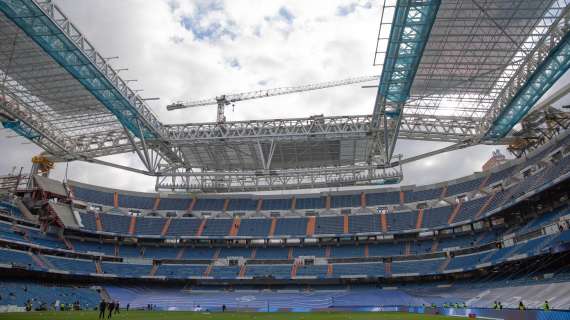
(143, 315)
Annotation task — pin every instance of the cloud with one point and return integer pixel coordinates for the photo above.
(345, 10)
(233, 63)
(208, 22)
(184, 61)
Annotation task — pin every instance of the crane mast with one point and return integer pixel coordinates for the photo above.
(224, 100)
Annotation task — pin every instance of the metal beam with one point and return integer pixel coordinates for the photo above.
(542, 68)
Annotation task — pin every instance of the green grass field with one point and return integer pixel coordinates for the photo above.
(142, 315)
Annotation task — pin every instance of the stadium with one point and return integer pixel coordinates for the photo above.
(320, 216)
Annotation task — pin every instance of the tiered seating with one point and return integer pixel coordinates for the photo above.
(276, 204)
(421, 247)
(242, 205)
(500, 175)
(416, 266)
(77, 266)
(329, 225)
(136, 202)
(127, 270)
(423, 195)
(347, 252)
(161, 252)
(88, 220)
(271, 253)
(459, 242)
(364, 223)
(181, 271)
(198, 253)
(18, 293)
(469, 209)
(17, 258)
(463, 187)
(375, 269)
(466, 262)
(7, 208)
(258, 227)
(400, 221)
(544, 219)
(92, 247)
(278, 271)
(209, 205)
(496, 201)
(217, 227)
(46, 240)
(116, 223)
(319, 271)
(382, 198)
(130, 251)
(235, 252)
(225, 272)
(309, 203)
(385, 249)
(309, 251)
(345, 201)
(93, 196)
(7, 233)
(174, 204)
(291, 227)
(183, 227)
(150, 225)
(436, 217)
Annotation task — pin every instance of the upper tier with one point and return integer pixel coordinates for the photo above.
(405, 198)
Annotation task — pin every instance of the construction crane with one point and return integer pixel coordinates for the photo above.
(224, 100)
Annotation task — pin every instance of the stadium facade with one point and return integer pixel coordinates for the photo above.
(501, 234)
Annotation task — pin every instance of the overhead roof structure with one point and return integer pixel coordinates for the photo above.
(460, 71)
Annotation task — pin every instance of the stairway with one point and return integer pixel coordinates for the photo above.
(192, 204)
(208, 270)
(434, 245)
(420, 218)
(201, 228)
(153, 270)
(384, 222)
(156, 203)
(242, 271)
(388, 269)
(345, 225)
(98, 267)
(180, 253)
(294, 271)
(484, 182)
(98, 223)
(165, 227)
(311, 226)
(443, 193)
(39, 262)
(216, 254)
(329, 270)
(455, 212)
(235, 227)
(444, 265)
(485, 205)
(273, 226)
(132, 225)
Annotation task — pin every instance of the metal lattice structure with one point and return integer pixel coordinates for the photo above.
(458, 71)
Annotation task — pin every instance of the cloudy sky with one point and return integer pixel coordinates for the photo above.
(181, 49)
